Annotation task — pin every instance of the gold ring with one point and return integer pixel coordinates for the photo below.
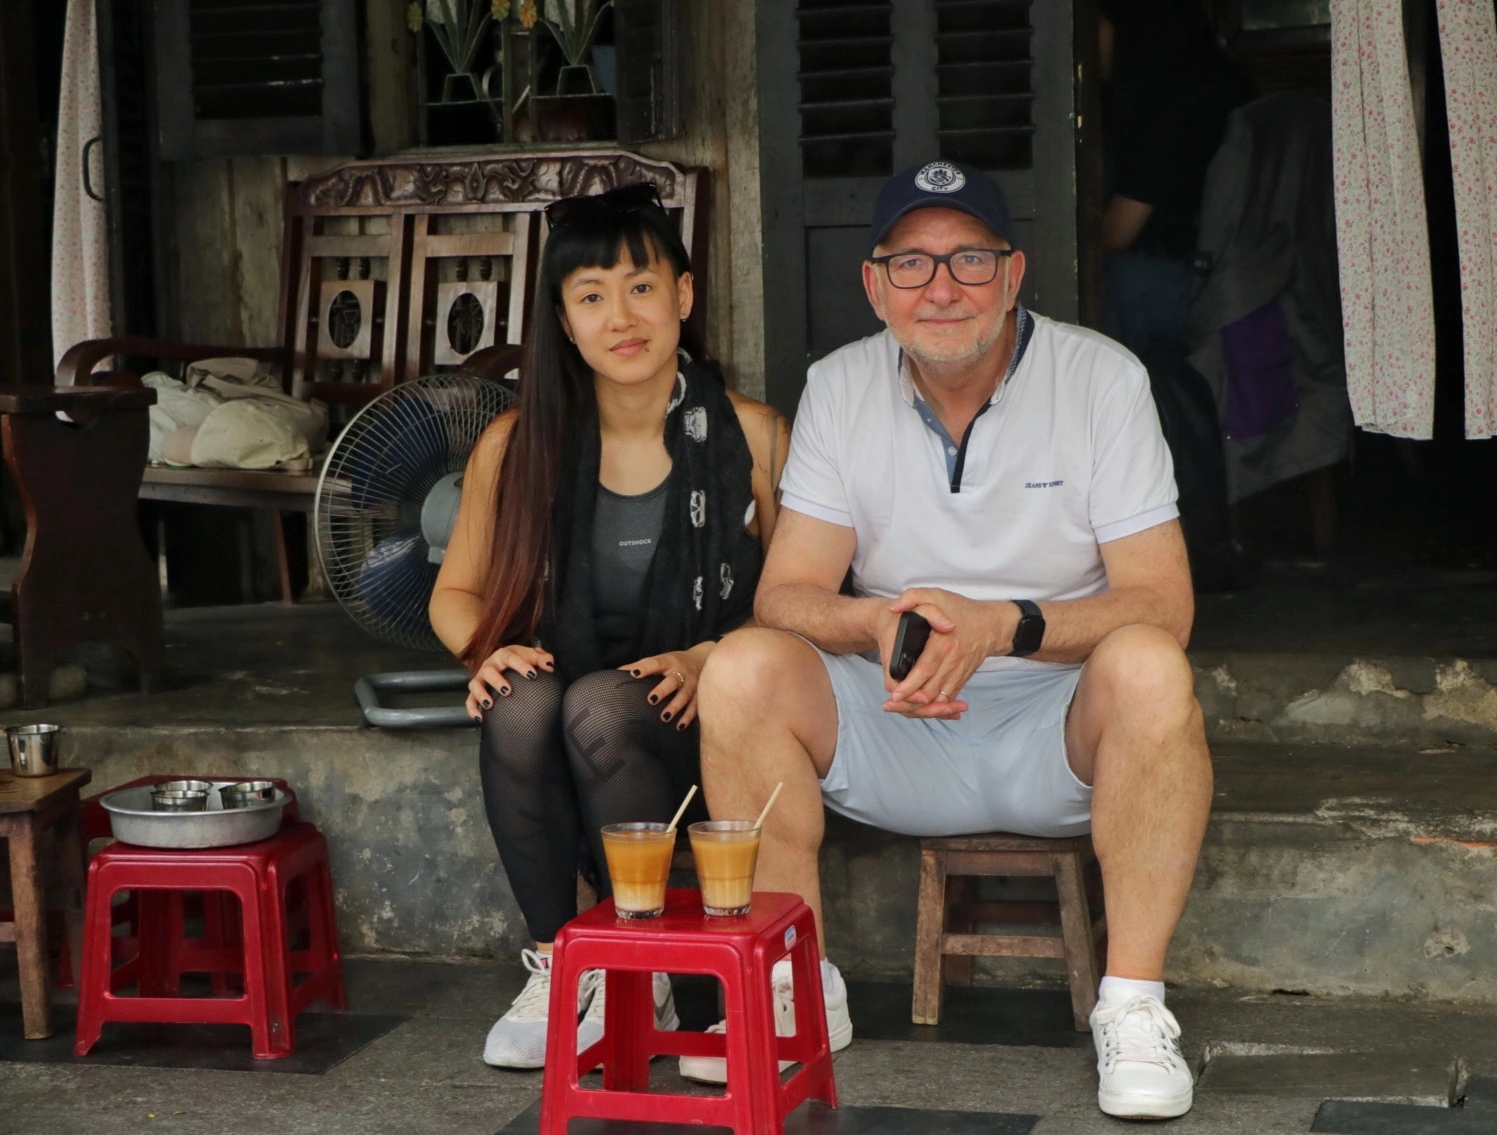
(680, 677)
(943, 696)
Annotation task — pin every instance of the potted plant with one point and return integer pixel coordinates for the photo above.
(461, 29)
(464, 31)
(578, 110)
(574, 24)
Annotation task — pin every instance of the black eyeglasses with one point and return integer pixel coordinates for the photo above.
(625, 199)
(972, 266)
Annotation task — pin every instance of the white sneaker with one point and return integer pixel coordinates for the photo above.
(1141, 1071)
(590, 1029)
(714, 1069)
(518, 1039)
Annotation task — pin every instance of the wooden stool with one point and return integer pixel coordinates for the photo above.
(946, 940)
(29, 806)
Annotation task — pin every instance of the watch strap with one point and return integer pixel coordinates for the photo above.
(1030, 632)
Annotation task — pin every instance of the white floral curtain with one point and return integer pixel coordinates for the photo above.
(80, 243)
(1381, 230)
(1468, 47)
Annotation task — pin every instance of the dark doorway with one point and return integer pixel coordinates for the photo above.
(30, 74)
(1414, 525)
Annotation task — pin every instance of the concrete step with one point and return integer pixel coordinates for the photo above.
(1360, 866)
(1326, 870)
(1347, 870)
(1407, 701)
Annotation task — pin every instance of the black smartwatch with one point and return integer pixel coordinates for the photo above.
(1031, 629)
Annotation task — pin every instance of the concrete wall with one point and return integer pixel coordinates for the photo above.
(1347, 898)
(414, 866)
(1327, 869)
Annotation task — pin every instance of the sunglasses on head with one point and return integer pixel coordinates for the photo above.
(624, 199)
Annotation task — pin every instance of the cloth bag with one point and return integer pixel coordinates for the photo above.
(231, 413)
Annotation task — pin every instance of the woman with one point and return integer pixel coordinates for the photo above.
(612, 528)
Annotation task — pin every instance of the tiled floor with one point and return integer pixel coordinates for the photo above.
(425, 1075)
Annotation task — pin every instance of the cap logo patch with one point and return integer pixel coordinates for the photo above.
(940, 177)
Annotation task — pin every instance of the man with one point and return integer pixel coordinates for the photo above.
(1002, 475)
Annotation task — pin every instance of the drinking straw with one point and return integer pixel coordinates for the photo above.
(773, 796)
(681, 810)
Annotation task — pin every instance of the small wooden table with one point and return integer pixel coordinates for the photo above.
(29, 807)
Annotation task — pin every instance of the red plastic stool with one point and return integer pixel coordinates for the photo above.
(219, 915)
(259, 875)
(739, 952)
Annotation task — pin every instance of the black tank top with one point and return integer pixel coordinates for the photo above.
(626, 530)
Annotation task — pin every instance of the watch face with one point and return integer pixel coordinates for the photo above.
(1030, 634)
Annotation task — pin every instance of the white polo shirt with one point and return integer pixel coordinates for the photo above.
(1067, 456)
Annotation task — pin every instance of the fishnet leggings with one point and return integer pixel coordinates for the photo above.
(558, 762)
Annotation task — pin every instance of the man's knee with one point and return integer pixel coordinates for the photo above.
(746, 670)
(1144, 676)
(761, 687)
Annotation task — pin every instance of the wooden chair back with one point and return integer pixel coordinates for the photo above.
(392, 269)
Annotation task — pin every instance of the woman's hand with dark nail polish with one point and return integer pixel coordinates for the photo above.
(530, 673)
(488, 703)
(504, 690)
(666, 716)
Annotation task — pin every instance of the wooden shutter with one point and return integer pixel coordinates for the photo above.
(846, 88)
(258, 77)
(648, 38)
(984, 68)
(852, 90)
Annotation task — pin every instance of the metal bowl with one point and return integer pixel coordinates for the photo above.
(247, 792)
(183, 786)
(179, 801)
(134, 820)
(33, 748)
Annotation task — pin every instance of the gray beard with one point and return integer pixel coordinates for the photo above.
(937, 364)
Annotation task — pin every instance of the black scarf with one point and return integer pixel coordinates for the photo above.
(706, 565)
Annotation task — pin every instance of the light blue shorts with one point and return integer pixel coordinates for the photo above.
(1002, 767)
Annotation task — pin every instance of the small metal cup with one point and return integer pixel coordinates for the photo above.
(33, 748)
(179, 801)
(203, 786)
(247, 793)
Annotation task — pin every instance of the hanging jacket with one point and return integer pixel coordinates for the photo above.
(1265, 323)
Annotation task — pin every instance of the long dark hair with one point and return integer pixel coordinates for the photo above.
(557, 402)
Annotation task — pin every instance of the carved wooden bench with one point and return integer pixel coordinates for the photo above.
(393, 269)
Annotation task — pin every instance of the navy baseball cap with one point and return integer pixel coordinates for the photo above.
(947, 185)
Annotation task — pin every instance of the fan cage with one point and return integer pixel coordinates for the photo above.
(367, 514)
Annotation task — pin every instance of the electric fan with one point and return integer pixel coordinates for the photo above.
(386, 503)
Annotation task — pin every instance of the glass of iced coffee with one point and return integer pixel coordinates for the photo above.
(726, 851)
(639, 865)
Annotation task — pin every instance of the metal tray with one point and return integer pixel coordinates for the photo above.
(133, 821)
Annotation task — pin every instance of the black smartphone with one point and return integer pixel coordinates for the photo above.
(909, 641)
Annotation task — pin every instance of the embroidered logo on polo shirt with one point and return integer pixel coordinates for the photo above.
(1043, 484)
(940, 177)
